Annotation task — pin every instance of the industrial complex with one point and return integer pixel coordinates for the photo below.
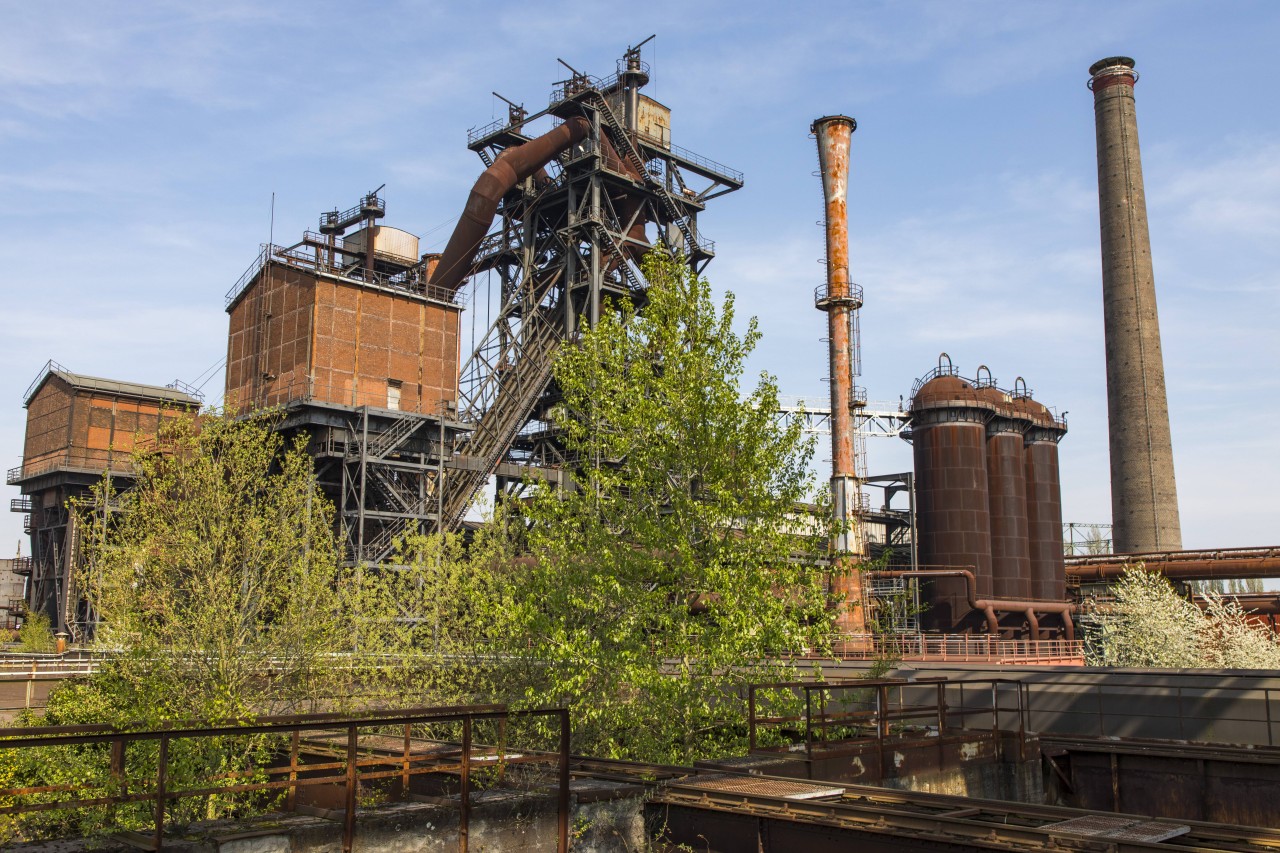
(353, 333)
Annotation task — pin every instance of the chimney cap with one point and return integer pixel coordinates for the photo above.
(1111, 62)
(849, 120)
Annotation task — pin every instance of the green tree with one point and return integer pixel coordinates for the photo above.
(217, 589)
(36, 633)
(218, 582)
(666, 575)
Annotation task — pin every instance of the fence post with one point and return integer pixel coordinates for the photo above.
(349, 823)
(808, 726)
(1266, 704)
(464, 804)
(117, 772)
(751, 717)
(562, 844)
(291, 796)
(942, 708)
(404, 766)
(161, 781)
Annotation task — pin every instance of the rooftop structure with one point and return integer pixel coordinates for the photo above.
(79, 429)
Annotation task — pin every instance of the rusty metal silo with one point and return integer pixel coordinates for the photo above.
(1044, 500)
(1006, 494)
(949, 439)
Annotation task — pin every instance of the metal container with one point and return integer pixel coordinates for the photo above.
(653, 120)
(949, 438)
(1044, 502)
(1007, 498)
(386, 241)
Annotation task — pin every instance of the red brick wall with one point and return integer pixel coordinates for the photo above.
(268, 346)
(339, 342)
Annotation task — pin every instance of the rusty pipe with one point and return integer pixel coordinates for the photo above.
(1033, 624)
(511, 167)
(1223, 564)
(989, 607)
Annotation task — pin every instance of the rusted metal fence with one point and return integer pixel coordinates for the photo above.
(366, 748)
(820, 712)
(959, 648)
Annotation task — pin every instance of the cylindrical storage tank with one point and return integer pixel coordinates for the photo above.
(1007, 498)
(949, 438)
(1044, 503)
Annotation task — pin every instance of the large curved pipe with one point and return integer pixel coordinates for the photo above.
(989, 607)
(511, 167)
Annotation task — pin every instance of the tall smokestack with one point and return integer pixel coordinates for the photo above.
(1144, 497)
(840, 298)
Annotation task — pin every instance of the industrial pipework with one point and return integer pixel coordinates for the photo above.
(511, 167)
(841, 298)
(1144, 496)
(989, 607)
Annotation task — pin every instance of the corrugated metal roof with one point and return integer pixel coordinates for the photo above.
(114, 386)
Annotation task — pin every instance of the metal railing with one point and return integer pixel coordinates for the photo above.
(474, 133)
(409, 281)
(957, 648)
(95, 462)
(1213, 712)
(375, 747)
(822, 297)
(704, 163)
(49, 367)
(877, 710)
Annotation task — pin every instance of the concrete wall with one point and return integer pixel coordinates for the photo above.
(599, 821)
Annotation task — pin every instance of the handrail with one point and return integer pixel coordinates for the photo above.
(474, 133)
(827, 706)
(706, 163)
(96, 462)
(49, 367)
(407, 281)
(385, 757)
(822, 297)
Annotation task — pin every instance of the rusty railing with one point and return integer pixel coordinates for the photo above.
(957, 648)
(876, 709)
(372, 747)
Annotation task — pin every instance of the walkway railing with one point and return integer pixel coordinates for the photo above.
(818, 713)
(144, 768)
(959, 648)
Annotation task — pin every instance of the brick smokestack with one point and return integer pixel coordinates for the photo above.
(1144, 497)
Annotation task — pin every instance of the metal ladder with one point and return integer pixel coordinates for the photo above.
(622, 141)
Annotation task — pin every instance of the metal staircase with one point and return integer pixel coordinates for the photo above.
(622, 142)
(500, 385)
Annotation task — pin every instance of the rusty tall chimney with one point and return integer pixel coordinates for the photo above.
(841, 298)
(1144, 497)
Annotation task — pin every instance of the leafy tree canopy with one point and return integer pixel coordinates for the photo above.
(669, 568)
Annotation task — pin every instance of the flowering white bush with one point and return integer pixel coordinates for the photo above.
(1151, 625)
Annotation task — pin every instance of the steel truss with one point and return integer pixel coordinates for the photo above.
(566, 244)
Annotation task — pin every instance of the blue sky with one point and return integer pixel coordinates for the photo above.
(140, 144)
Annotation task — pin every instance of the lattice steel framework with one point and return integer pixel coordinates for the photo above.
(566, 242)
